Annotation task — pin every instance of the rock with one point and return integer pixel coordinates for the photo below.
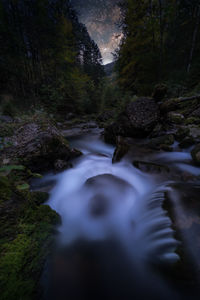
(169, 105)
(194, 132)
(159, 92)
(187, 142)
(39, 146)
(196, 154)
(105, 116)
(121, 149)
(110, 133)
(176, 118)
(182, 133)
(162, 141)
(6, 119)
(143, 115)
(61, 165)
(196, 113)
(157, 131)
(150, 167)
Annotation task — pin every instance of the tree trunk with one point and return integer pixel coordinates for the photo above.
(194, 39)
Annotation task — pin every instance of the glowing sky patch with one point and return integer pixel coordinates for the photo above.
(101, 18)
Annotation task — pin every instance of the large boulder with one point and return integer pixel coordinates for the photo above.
(138, 120)
(39, 146)
(143, 115)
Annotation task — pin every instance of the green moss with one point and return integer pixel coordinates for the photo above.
(192, 120)
(5, 189)
(26, 236)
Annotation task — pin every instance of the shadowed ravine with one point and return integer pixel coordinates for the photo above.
(114, 233)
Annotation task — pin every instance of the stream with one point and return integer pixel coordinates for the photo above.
(116, 240)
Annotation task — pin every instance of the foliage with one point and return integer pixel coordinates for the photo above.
(46, 54)
(154, 48)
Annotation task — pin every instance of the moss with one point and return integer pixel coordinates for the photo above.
(160, 142)
(26, 236)
(7, 129)
(5, 189)
(192, 120)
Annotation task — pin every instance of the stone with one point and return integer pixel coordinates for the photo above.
(150, 167)
(176, 118)
(6, 119)
(187, 142)
(196, 154)
(121, 149)
(182, 133)
(61, 165)
(39, 146)
(160, 142)
(143, 115)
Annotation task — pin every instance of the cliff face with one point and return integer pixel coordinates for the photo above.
(101, 18)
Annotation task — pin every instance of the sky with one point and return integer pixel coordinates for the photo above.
(101, 18)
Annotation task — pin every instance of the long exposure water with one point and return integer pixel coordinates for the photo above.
(115, 233)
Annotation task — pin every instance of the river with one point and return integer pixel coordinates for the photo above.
(117, 240)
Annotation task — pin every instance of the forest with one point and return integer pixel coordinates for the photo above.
(99, 162)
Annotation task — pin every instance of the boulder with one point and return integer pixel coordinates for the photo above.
(138, 120)
(143, 115)
(187, 142)
(196, 154)
(39, 146)
(121, 149)
(162, 142)
(182, 133)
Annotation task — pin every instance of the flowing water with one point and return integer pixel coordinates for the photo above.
(115, 238)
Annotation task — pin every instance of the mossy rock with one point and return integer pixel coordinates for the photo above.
(26, 236)
(192, 120)
(176, 118)
(159, 142)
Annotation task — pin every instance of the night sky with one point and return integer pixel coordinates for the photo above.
(100, 17)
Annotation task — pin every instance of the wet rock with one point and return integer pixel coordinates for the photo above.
(187, 142)
(6, 119)
(162, 141)
(159, 92)
(176, 118)
(150, 167)
(121, 149)
(182, 133)
(194, 132)
(196, 154)
(38, 146)
(61, 165)
(196, 113)
(110, 133)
